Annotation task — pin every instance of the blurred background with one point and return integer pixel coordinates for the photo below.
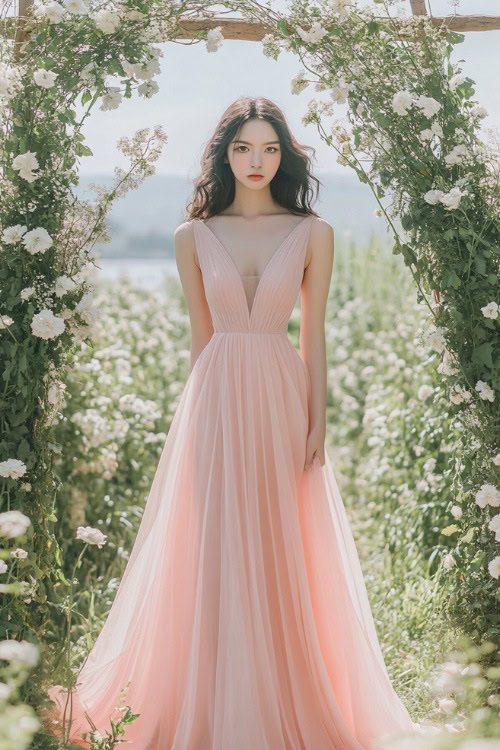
(195, 88)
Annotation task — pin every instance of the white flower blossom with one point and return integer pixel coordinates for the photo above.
(451, 200)
(457, 155)
(456, 80)
(494, 567)
(428, 105)
(19, 554)
(20, 651)
(456, 512)
(5, 691)
(26, 163)
(53, 12)
(148, 89)
(458, 394)
(13, 468)
(27, 292)
(488, 494)
(13, 523)
(3, 567)
(111, 99)
(12, 235)
(485, 391)
(5, 321)
(37, 240)
(63, 285)
(46, 325)
(447, 365)
(45, 78)
(490, 310)
(106, 21)
(90, 535)
(436, 339)
(494, 525)
(315, 33)
(433, 196)
(448, 561)
(402, 101)
(299, 83)
(424, 392)
(496, 459)
(75, 6)
(479, 111)
(214, 39)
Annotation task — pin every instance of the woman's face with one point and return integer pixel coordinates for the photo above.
(255, 150)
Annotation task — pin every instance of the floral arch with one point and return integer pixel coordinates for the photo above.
(411, 134)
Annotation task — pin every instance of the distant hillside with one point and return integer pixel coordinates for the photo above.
(143, 222)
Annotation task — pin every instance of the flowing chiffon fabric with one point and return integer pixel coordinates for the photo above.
(242, 619)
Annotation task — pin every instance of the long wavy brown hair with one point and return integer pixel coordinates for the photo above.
(291, 188)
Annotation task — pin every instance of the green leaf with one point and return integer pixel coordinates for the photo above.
(482, 354)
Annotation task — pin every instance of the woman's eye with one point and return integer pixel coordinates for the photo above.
(273, 148)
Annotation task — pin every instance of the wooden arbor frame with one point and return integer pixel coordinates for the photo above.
(254, 31)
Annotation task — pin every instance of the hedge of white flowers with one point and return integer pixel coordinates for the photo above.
(411, 135)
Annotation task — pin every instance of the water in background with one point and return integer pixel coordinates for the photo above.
(146, 272)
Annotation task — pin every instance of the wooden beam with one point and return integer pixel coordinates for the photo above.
(418, 7)
(254, 31)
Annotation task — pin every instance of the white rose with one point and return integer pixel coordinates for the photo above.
(494, 525)
(13, 468)
(214, 39)
(12, 235)
(90, 535)
(428, 105)
(490, 310)
(3, 567)
(451, 200)
(402, 101)
(433, 196)
(5, 321)
(44, 78)
(54, 12)
(488, 495)
(19, 553)
(485, 391)
(62, 285)
(106, 20)
(26, 163)
(75, 6)
(37, 241)
(27, 292)
(13, 523)
(456, 512)
(494, 567)
(46, 325)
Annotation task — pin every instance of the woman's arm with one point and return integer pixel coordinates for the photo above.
(194, 291)
(314, 295)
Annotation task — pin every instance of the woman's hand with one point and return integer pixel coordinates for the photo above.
(315, 446)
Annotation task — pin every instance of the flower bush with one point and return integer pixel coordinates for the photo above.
(411, 120)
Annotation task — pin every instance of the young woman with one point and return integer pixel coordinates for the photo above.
(242, 620)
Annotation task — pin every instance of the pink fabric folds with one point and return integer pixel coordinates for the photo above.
(242, 619)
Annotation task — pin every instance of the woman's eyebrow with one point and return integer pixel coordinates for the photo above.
(249, 144)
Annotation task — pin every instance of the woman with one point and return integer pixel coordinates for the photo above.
(242, 620)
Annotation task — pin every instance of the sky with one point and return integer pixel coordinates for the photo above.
(196, 86)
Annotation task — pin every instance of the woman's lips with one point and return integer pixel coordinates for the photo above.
(255, 176)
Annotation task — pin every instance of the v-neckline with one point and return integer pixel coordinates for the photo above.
(261, 276)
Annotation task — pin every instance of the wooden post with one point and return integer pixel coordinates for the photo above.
(25, 7)
(418, 7)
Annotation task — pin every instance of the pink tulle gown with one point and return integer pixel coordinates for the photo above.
(242, 619)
